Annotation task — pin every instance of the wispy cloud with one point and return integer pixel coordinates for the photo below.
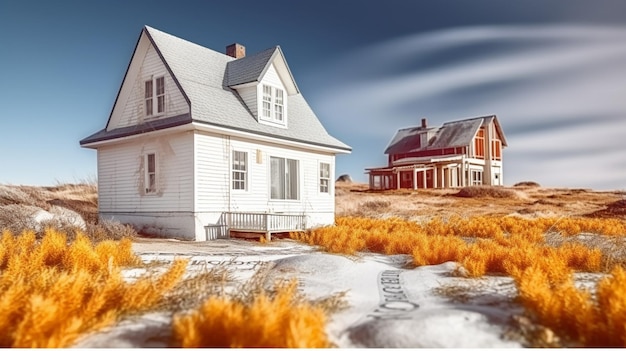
(559, 91)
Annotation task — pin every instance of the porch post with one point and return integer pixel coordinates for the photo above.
(414, 178)
(463, 184)
(397, 180)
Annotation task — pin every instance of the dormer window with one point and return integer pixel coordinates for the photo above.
(155, 96)
(278, 105)
(273, 105)
(267, 102)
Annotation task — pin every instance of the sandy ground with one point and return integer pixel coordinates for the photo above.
(388, 304)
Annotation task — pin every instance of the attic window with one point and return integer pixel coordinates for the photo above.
(273, 104)
(154, 94)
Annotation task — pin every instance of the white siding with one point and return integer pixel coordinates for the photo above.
(249, 96)
(121, 175)
(271, 77)
(213, 180)
(132, 111)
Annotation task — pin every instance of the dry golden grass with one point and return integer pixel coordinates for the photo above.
(52, 292)
(574, 313)
(513, 246)
(482, 244)
(19, 203)
(530, 202)
(282, 320)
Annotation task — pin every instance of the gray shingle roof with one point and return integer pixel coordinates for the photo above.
(203, 75)
(407, 140)
(457, 133)
(250, 68)
(450, 134)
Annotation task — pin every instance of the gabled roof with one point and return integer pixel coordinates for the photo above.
(251, 69)
(408, 140)
(450, 134)
(457, 133)
(203, 76)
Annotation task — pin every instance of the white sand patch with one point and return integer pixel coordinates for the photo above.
(394, 307)
(389, 303)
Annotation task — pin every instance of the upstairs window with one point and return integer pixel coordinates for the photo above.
(160, 94)
(149, 100)
(240, 170)
(150, 171)
(496, 149)
(479, 144)
(324, 177)
(267, 101)
(278, 105)
(154, 94)
(273, 108)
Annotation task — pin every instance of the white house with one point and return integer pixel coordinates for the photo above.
(199, 142)
(458, 153)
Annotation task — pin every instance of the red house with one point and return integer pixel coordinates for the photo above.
(456, 154)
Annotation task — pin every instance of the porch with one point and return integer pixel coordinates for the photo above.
(420, 173)
(255, 222)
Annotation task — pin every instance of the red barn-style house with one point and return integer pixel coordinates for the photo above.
(456, 154)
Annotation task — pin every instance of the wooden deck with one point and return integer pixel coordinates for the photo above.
(255, 222)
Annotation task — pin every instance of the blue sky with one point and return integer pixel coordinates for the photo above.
(554, 72)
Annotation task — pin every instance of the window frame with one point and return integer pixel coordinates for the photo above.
(151, 187)
(324, 188)
(496, 150)
(160, 94)
(287, 191)
(273, 107)
(154, 96)
(239, 176)
(279, 104)
(266, 108)
(476, 177)
(479, 144)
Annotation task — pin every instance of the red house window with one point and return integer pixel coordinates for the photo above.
(479, 144)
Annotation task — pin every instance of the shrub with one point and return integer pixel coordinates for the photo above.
(527, 184)
(375, 205)
(486, 191)
(13, 196)
(279, 321)
(51, 292)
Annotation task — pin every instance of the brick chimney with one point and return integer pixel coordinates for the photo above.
(424, 123)
(236, 50)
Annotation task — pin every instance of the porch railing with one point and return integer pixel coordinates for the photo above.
(265, 222)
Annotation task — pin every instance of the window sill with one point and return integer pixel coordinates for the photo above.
(285, 200)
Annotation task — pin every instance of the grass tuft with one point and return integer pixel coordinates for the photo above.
(282, 320)
(52, 291)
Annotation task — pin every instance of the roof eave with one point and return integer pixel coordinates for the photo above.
(200, 124)
(295, 90)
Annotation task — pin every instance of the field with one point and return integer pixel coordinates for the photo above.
(525, 265)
